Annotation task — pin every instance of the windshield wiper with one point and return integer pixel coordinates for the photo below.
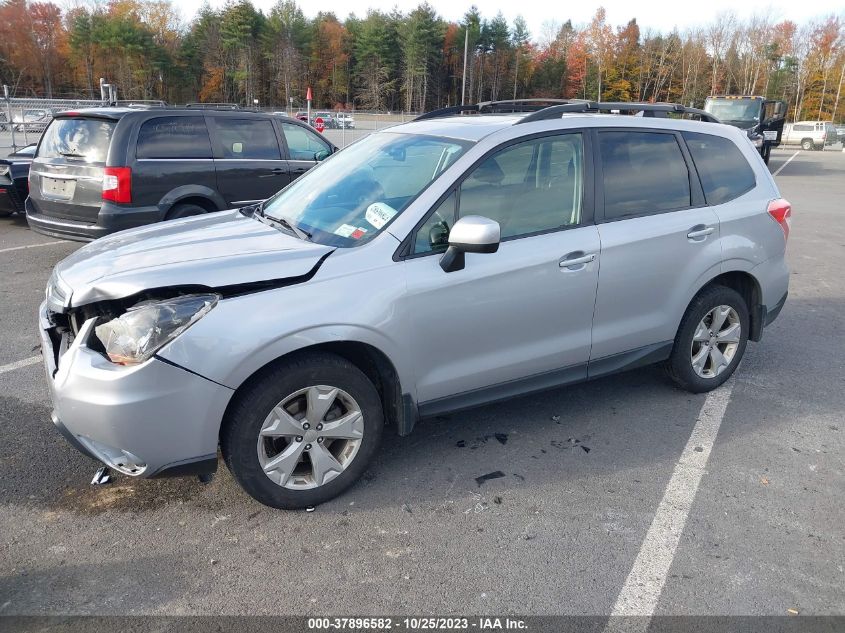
(301, 234)
(71, 155)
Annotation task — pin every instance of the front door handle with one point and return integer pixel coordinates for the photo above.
(569, 262)
(278, 171)
(700, 231)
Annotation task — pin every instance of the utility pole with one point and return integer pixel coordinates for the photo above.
(466, 48)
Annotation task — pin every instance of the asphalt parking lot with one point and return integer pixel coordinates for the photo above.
(616, 495)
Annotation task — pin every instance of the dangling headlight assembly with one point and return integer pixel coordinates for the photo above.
(146, 327)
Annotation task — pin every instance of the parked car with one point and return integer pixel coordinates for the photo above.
(280, 113)
(840, 133)
(103, 170)
(34, 120)
(14, 171)
(301, 116)
(809, 134)
(443, 264)
(345, 120)
(329, 121)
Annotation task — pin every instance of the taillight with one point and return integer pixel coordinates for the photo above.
(781, 212)
(117, 184)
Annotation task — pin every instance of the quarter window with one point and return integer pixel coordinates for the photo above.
(723, 170)
(247, 138)
(173, 137)
(643, 173)
(302, 144)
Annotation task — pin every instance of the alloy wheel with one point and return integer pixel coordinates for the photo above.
(310, 437)
(715, 341)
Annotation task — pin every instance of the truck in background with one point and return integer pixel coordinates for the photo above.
(761, 118)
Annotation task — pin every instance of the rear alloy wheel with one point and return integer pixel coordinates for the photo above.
(710, 341)
(304, 432)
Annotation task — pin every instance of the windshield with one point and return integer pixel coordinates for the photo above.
(738, 112)
(350, 198)
(77, 138)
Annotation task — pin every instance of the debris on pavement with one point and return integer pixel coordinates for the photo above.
(496, 474)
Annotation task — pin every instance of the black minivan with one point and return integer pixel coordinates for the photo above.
(103, 170)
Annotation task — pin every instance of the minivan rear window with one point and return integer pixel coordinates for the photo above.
(173, 137)
(77, 138)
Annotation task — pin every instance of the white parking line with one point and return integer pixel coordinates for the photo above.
(20, 248)
(642, 588)
(788, 160)
(18, 364)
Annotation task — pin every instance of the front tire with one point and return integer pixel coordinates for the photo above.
(304, 432)
(710, 341)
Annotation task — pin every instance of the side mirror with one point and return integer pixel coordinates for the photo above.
(471, 234)
(323, 154)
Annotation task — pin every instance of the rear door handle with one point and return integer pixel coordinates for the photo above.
(700, 231)
(569, 262)
(278, 171)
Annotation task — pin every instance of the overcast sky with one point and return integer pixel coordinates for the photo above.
(662, 16)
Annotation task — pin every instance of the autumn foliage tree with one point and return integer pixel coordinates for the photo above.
(410, 60)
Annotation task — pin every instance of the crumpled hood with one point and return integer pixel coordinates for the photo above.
(214, 250)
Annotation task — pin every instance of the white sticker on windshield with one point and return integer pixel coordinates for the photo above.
(345, 230)
(379, 214)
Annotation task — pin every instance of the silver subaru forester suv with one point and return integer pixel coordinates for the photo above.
(442, 264)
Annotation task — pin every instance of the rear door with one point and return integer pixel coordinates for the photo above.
(247, 158)
(303, 147)
(171, 152)
(658, 241)
(66, 177)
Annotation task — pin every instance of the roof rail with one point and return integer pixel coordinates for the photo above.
(642, 109)
(213, 106)
(141, 103)
(506, 105)
(537, 111)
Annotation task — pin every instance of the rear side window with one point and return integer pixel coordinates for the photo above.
(247, 138)
(173, 137)
(77, 139)
(643, 173)
(723, 170)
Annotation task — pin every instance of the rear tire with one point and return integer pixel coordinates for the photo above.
(807, 144)
(285, 440)
(711, 340)
(185, 210)
(767, 152)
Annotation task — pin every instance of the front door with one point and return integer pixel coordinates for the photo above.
(247, 159)
(520, 318)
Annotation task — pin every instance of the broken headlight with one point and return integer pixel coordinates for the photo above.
(146, 327)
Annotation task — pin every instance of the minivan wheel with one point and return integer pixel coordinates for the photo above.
(304, 432)
(807, 144)
(184, 210)
(710, 341)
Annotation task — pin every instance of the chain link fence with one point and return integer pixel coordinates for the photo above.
(22, 121)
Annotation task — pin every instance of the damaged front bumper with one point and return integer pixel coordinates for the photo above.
(148, 420)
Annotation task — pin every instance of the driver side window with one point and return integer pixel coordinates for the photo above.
(528, 188)
(302, 144)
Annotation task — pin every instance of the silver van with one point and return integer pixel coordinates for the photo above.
(810, 134)
(441, 264)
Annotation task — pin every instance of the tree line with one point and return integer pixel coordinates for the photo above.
(410, 61)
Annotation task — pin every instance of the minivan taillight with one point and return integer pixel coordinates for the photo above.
(117, 184)
(781, 212)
